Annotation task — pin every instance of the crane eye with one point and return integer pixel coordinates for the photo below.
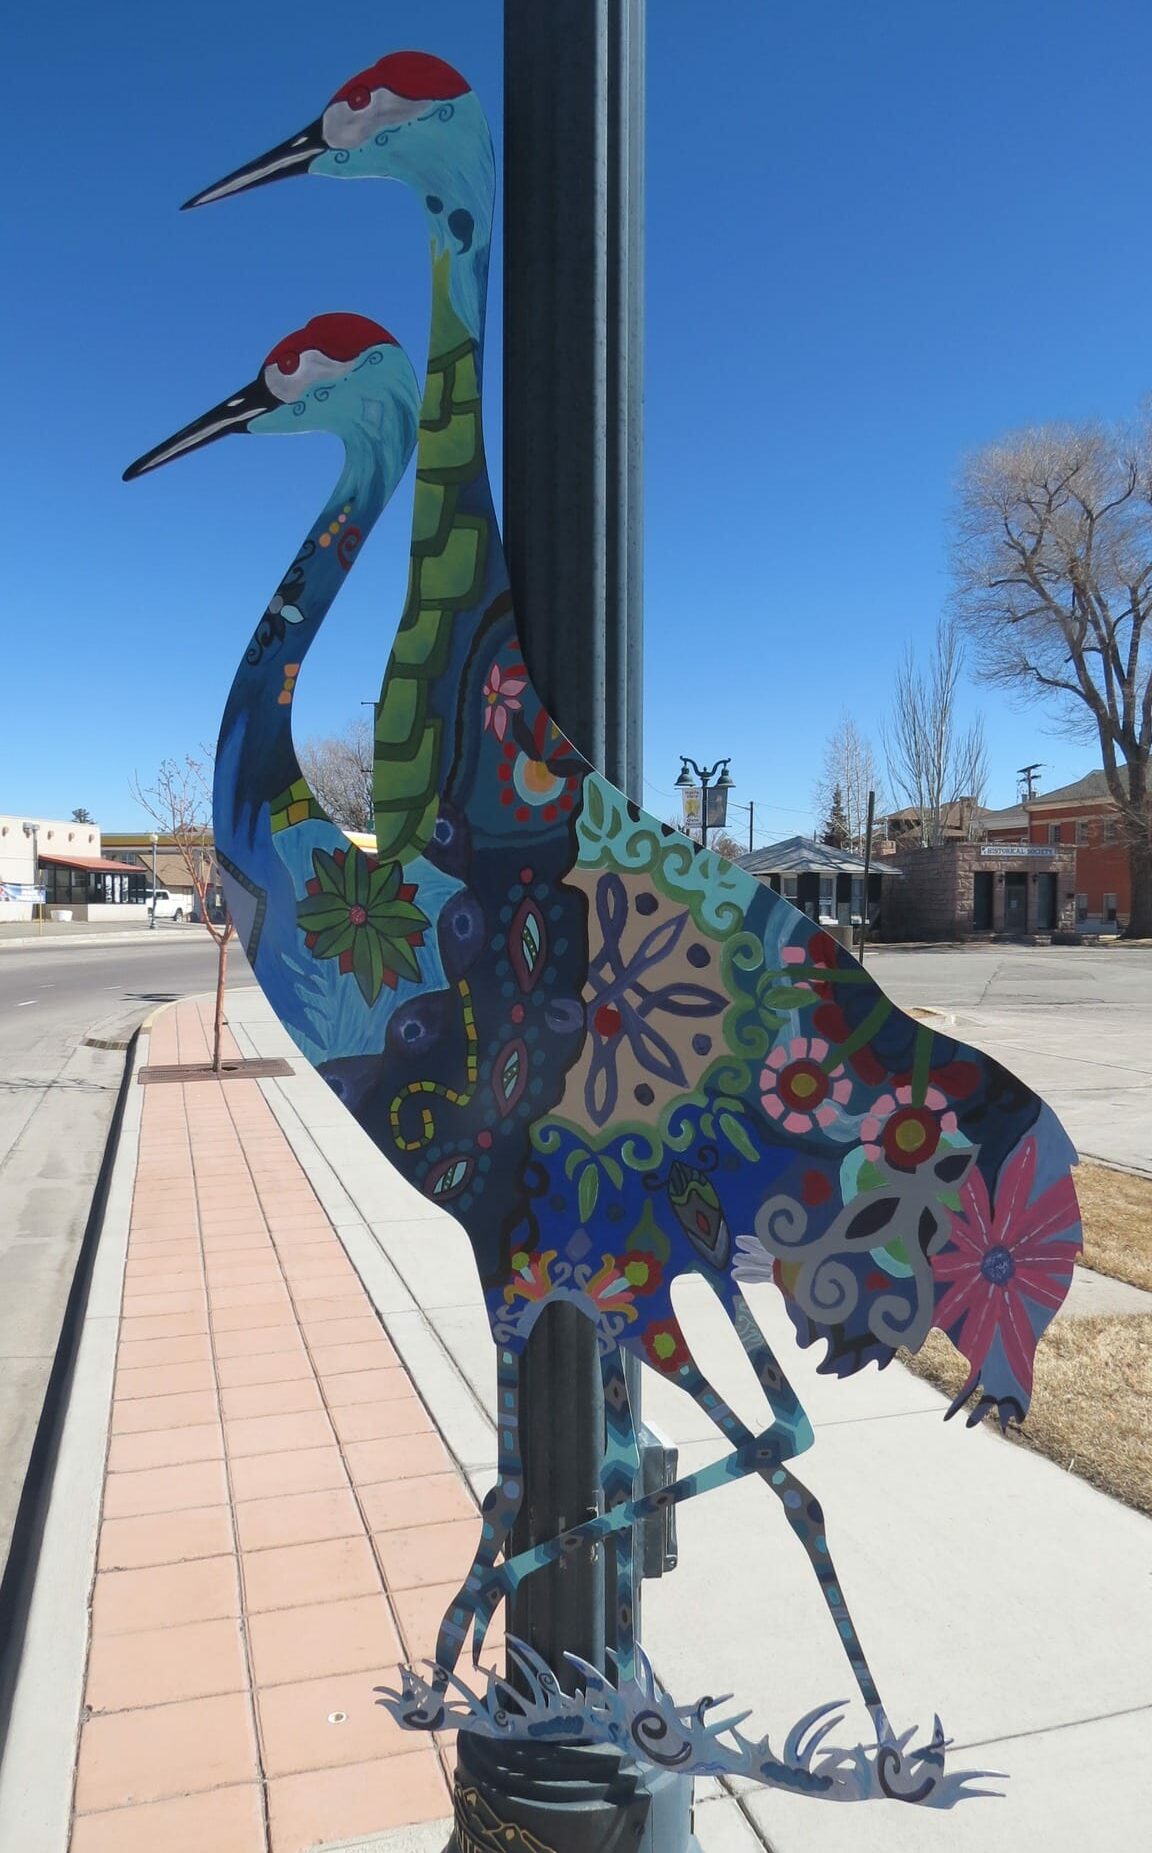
(288, 362)
(359, 98)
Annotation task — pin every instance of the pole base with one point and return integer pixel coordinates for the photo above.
(565, 1798)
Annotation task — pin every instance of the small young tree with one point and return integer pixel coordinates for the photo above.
(179, 803)
(81, 816)
(849, 769)
(938, 766)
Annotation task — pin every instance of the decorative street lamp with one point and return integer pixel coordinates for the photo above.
(705, 777)
(152, 914)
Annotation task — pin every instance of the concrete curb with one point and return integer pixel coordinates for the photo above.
(135, 937)
(49, 1640)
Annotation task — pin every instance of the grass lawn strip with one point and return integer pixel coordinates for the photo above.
(1092, 1407)
(1117, 1211)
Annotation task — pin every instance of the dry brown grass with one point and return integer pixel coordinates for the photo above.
(1117, 1212)
(1092, 1407)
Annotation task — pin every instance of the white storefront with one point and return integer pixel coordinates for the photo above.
(23, 840)
(57, 862)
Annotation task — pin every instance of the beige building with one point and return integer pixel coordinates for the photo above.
(172, 873)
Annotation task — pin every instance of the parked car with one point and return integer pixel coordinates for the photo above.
(167, 906)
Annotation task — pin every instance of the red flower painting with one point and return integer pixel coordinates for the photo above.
(1003, 1259)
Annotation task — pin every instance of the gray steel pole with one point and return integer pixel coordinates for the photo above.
(573, 530)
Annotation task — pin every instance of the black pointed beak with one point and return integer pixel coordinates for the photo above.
(234, 414)
(294, 156)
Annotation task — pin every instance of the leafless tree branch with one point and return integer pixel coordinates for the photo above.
(1053, 576)
(179, 802)
(338, 768)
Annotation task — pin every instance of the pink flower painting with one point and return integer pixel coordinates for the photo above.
(903, 1134)
(502, 692)
(797, 1089)
(1007, 1267)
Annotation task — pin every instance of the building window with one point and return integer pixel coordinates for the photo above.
(1081, 830)
(827, 896)
(1053, 833)
(1081, 907)
(790, 889)
(1112, 830)
(857, 897)
(1109, 907)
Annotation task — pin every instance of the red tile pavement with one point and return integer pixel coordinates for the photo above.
(281, 1519)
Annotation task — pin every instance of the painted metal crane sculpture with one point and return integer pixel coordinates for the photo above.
(614, 1058)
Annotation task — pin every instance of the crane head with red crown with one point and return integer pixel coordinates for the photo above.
(344, 374)
(409, 117)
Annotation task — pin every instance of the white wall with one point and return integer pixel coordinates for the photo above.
(55, 837)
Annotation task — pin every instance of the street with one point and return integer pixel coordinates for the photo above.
(1074, 1022)
(56, 1100)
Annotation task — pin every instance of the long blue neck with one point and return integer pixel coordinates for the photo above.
(256, 760)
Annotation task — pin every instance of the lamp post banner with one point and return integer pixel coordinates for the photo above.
(614, 1057)
(690, 808)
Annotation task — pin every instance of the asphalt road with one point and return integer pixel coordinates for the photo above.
(1074, 1022)
(56, 1102)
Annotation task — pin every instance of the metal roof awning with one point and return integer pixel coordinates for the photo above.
(802, 855)
(95, 865)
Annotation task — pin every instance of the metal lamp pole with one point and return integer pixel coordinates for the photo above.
(152, 914)
(573, 530)
(719, 772)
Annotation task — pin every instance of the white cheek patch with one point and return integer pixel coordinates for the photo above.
(345, 127)
(313, 370)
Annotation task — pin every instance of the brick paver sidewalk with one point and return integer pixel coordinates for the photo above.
(281, 1521)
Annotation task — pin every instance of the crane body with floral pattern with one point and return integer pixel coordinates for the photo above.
(617, 1059)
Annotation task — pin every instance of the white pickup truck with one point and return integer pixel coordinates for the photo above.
(167, 906)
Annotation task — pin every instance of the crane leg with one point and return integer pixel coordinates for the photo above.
(618, 1480)
(801, 1508)
(761, 1453)
(474, 1601)
(789, 1434)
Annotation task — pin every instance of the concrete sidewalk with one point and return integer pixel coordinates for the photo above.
(289, 1499)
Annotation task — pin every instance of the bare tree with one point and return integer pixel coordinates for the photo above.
(338, 768)
(938, 767)
(180, 805)
(834, 832)
(850, 770)
(720, 842)
(1053, 565)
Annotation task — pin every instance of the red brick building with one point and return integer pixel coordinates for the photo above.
(1083, 816)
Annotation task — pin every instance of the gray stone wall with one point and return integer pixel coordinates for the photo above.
(934, 900)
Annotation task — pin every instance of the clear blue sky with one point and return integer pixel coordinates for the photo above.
(878, 236)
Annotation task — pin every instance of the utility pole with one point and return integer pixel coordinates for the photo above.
(573, 530)
(867, 872)
(1027, 778)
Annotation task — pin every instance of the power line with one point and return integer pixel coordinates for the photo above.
(790, 810)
